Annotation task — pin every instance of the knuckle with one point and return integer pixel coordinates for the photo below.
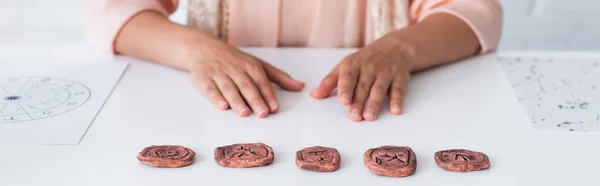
(344, 86)
(269, 98)
(255, 101)
(216, 66)
(266, 87)
(396, 99)
(215, 96)
(397, 91)
(363, 85)
(348, 65)
(262, 80)
(227, 87)
(246, 85)
(267, 92)
(263, 85)
(347, 73)
(388, 72)
(370, 67)
(377, 91)
(253, 66)
(373, 103)
(238, 101)
(225, 67)
(236, 71)
(208, 88)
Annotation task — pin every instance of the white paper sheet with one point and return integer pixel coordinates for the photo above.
(558, 93)
(50, 103)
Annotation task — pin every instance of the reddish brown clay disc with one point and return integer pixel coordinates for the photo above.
(167, 156)
(461, 160)
(391, 161)
(244, 155)
(317, 158)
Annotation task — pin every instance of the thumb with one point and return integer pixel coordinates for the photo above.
(282, 79)
(328, 84)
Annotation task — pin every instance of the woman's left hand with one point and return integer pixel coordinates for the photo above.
(365, 78)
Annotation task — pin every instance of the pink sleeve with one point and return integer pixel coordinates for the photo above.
(483, 16)
(105, 18)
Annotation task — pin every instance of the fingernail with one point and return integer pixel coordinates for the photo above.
(396, 109)
(241, 109)
(345, 98)
(355, 114)
(222, 104)
(261, 109)
(314, 92)
(273, 105)
(370, 113)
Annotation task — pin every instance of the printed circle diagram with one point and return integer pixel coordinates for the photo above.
(33, 98)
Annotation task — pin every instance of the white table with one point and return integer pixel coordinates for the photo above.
(464, 105)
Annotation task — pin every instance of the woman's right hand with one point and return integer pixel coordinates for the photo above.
(231, 78)
(228, 77)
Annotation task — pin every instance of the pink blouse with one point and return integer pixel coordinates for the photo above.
(300, 23)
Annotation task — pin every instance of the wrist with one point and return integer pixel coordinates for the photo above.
(406, 47)
(196, 46)
(201, 46)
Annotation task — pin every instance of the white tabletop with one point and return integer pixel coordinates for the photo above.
(465, 105)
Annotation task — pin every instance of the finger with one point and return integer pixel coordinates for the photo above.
(251, 94)
(232, 95)
(265, 88)
(327, 85)
(207, 87)
(361, 92)
(376, 97)
(397, 92)
(346, 83)
(282, 79)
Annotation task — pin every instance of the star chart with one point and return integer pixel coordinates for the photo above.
(33, 98)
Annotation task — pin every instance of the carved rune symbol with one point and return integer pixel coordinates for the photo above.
(242, 151)
(384, 159)
(463, 157)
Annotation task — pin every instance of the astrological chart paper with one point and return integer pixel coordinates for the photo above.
(558, 93)
(53, 104)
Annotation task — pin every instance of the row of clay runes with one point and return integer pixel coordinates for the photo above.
(391, 161)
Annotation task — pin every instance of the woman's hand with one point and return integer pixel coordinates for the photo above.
(228, 77)
(231, 78)
(365, 78)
